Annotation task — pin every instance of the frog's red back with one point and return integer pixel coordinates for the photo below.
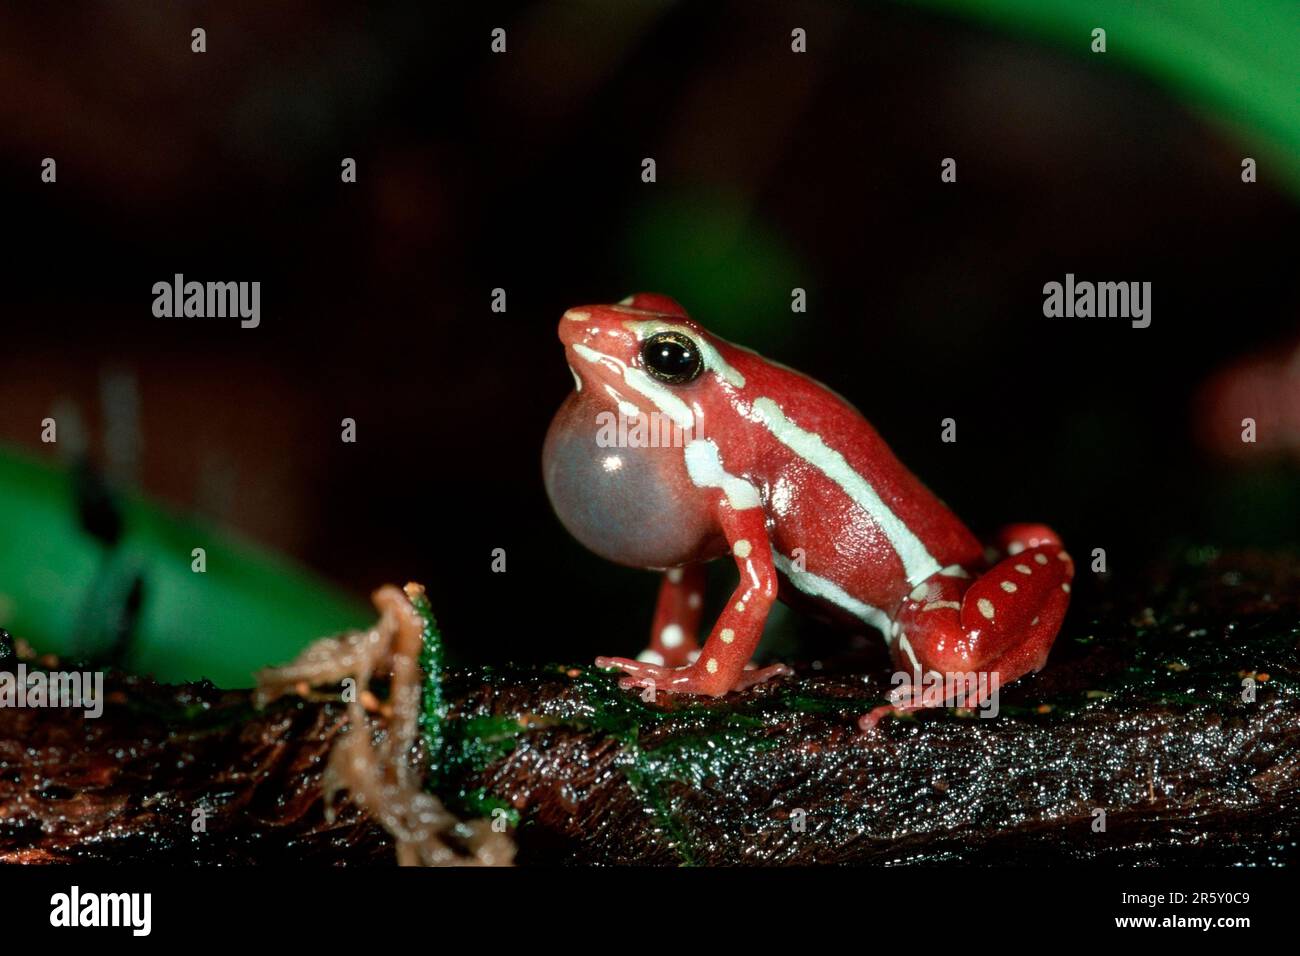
(838, 492)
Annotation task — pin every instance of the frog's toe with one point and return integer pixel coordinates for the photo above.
(753, 674)
(636, 673)
(669, 680)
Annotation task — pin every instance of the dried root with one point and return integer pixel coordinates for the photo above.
(379, 776)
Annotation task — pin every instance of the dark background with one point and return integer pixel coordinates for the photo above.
(522, 171)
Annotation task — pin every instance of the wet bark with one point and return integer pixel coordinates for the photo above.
(1138, 745)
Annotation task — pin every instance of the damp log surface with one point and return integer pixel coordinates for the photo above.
(177, 774)
(1142, 721)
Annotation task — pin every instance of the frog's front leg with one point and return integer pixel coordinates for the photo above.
(722, 666)
(1001, 622)
(673, 639)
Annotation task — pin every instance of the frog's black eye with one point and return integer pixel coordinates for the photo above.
(672, 357)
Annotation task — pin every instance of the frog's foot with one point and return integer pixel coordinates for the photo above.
(693, 679)
(967, 636)
(903, 699)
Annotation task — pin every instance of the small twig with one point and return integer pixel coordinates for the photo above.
(380, 778)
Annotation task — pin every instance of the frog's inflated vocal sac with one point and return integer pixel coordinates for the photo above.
(796, 485)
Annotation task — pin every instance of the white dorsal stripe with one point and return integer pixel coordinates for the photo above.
(704, 465)
(828, 590)
(918, 563)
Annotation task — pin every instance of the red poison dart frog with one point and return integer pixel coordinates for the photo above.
(790, 480)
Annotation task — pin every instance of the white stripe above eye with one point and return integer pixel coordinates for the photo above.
(828, 590)
(713, 360)
(918, 563)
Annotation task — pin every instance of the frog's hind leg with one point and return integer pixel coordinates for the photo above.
(673, 641)
(1018, 604)
(1001, 622)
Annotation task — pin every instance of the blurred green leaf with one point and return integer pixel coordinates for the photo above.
(1237, 61)
(58, 584)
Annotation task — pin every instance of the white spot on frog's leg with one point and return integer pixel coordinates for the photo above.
(741, 548)
(577, 315)
(693, 600)
(651, 657)
(1065, 588)
(986, 608)
(1008, 587)
(727, 635)
(704, 466)
(1024, 569)
(1040, 558)
(693, 656)
(627, 300)
(917, 561)
(711, 666)
(1063, 556)
(1033, 622)
(740, 607)
(672, 636)
(675, 575)
(1015, 547)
